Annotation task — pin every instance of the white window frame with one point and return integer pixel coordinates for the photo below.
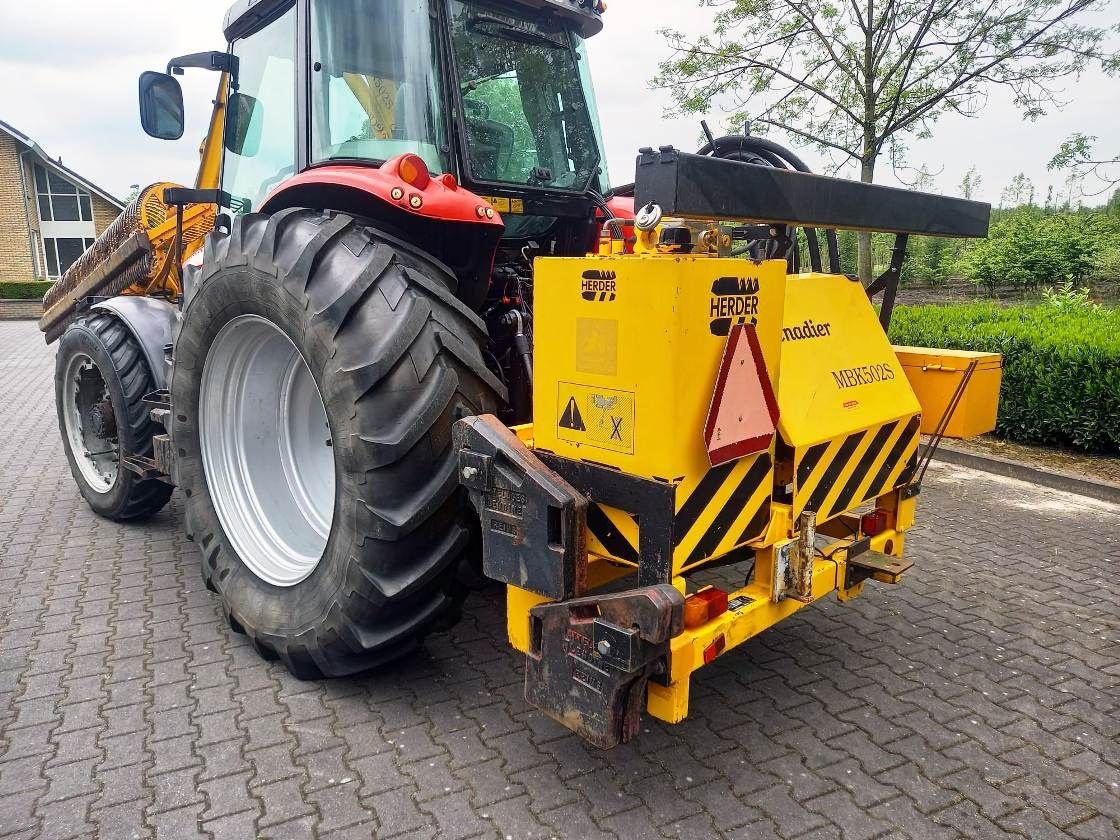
(50, 230)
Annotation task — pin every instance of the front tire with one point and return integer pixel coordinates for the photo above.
(101, 379)
(318, 370)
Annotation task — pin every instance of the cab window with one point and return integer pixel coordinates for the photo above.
(260, 137)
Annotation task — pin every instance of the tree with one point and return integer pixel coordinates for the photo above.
(1076, 155)
(1030, 248)
(971, 183)
(1113, 206)
(1017, 193)
(852, 77)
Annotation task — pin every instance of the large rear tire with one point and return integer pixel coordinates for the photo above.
(101, 379)
(318, 370)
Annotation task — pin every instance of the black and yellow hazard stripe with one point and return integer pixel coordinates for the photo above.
(728, 506)
(610, 535)
(842, 474)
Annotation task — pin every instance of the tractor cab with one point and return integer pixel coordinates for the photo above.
(495, 94)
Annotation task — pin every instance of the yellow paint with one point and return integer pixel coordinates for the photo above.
(653, 340)
(839, 372)
(635, 341)
(670, 703)
(210, 153)
(935, 375)
(378, 98)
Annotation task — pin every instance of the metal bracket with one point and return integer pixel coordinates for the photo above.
(804, 555)
(218, 62)
(533, 521)
(591, 659)
(651, 502)
(779, 581)
(888, 281)
(872, 564)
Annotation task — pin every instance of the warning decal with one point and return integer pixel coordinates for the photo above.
(571, 418)
(598, 417)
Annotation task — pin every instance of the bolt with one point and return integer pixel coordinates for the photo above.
(469, 473)
(604, 648)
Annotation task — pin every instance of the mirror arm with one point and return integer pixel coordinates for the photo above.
(221, 62)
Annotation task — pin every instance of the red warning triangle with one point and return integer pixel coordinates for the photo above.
(744, 412)
(572, 419)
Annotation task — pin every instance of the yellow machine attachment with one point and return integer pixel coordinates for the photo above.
(693, 409)
(630, 352)
(139, 253)
(629, 378)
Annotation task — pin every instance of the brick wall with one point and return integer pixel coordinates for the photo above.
(104, 214)
(15, 251)
(20, 310)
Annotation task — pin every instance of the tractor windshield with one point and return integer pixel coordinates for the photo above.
(375, 82)
(529, 121)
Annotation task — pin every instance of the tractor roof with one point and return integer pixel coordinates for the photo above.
(585, 16)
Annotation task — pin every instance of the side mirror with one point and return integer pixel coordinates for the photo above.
(161, 105)
(243, 125)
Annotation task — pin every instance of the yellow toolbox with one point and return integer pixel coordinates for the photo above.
(936, 375)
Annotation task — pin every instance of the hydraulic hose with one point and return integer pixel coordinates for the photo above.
(760, 151)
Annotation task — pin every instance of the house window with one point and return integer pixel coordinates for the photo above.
(59, 200)
(62, 252)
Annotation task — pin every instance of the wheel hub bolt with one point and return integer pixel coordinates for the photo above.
(102, 420)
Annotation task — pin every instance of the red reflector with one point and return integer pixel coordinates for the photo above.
(873, 523)
(701, 607)
(714, 649)
(744, 412)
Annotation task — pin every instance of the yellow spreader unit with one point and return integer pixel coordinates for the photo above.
(628, 351)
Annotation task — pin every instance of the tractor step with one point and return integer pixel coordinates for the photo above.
(880, 567)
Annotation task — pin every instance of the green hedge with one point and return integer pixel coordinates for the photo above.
(23, 291)
(1061, 378)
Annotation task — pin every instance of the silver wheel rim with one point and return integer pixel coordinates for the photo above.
(87, 412)
(266, 450)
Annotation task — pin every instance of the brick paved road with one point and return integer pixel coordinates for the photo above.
(978, 700)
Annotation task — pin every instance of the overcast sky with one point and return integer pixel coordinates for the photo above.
(69, 74)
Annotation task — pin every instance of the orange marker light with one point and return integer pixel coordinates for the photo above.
(412, 170)
(701, 607)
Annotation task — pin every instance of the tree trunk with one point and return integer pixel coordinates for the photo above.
(867, 175)
(867, 170)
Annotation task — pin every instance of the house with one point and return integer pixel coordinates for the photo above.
(49, 214)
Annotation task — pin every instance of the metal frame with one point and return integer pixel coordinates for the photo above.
(653, 504)
(888, 281)
(701, 187)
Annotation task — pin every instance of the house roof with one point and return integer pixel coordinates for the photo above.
(56, 165)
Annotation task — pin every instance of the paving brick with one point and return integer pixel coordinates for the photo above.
(178, 824)
(338, 806)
